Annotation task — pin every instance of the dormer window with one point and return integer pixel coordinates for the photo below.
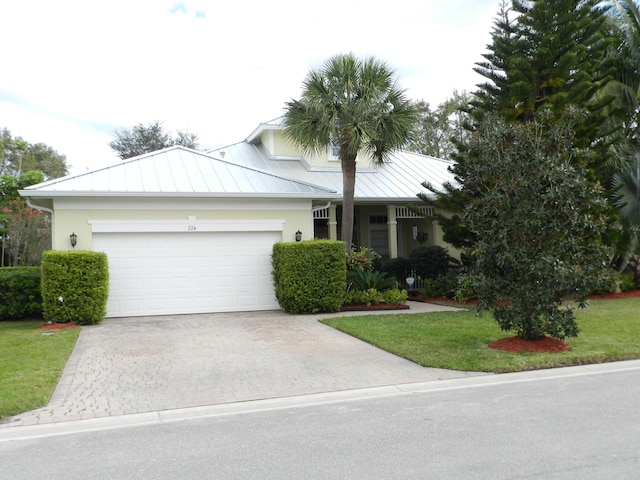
(334, 150)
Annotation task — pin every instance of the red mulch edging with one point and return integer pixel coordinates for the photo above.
(604, 296)
(58, 326)
(518, 344)
(372, 307)
(613, 296)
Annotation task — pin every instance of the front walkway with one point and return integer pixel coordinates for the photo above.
(147, 364)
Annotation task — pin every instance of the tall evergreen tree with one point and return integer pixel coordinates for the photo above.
(551, 55)
(543, 55)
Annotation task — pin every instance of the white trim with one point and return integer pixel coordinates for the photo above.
(181, 204)
(191, 224)
(404, 212)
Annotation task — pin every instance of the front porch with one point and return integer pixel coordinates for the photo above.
(390, 230)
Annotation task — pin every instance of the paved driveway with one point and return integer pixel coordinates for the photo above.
(147, 364)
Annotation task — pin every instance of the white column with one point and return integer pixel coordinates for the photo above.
(392, 223)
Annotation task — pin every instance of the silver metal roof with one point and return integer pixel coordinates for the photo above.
(179, 171)
(398, 179)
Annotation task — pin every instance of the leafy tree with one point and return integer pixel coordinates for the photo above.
(28, 233)
(18, 156)
(141, 139)
(436, 130)
(358, 105)
(538, 223)
(24, 231)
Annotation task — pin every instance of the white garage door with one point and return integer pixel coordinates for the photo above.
(194, 272)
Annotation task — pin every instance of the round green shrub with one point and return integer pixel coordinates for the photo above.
(309, 276)
(75, 286)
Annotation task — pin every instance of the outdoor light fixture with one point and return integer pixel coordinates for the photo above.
(74, 239)
(298, 236)
(415, 232)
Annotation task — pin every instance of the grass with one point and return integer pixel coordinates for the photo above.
(31, 364)
(609, 331)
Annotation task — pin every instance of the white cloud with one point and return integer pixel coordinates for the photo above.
(76, 70)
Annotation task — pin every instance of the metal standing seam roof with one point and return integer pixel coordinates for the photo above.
(398, 179)
(179, 171)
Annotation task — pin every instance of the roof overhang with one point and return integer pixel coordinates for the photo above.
(264, 127)
(43, 194)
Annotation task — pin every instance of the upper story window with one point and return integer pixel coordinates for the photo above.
(334, 150)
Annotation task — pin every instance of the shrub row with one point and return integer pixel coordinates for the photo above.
(20, 293)
(371, 296)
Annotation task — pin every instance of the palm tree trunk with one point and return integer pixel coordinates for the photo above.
(348, 189)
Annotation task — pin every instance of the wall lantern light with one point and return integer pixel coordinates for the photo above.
(298, 236)
(74, 239)
(415, 232)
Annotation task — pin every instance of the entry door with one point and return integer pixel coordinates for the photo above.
(379, 234)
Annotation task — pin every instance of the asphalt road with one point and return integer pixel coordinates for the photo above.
(574, 426)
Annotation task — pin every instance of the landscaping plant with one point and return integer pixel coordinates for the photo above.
(539, 224)
(75, 286)
(309, 276)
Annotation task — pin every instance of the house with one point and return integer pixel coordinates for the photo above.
(192, 232)
(382, 192)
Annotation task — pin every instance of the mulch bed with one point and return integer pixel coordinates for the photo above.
(373, 307)
(58, 326)
(605, 296)
(518, 344)
(613, 296)
(544, 344)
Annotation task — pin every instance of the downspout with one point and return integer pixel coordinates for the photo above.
(43, 209)
(315, 209)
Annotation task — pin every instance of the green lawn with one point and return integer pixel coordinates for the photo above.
(610, 331)
(31, 364)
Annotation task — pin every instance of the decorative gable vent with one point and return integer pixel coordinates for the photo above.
(404, 212)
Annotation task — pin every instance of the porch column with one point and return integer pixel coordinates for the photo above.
(392, 223)
(332, 223)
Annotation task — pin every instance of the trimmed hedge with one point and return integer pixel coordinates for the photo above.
(20, 293)
(81, 280)
(309, 276)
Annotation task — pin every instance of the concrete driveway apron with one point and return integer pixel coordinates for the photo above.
(147, 364)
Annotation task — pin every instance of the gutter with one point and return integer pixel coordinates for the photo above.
(43, 209)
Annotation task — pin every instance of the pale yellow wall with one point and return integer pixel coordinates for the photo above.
(297, 216)
(279, 145)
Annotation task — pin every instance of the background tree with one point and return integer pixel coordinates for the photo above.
(538, 223)
(24, 232)
(625, 86)
(18, 156)
(141, 139)
(358, 105)
(543, 55)
(436, 131)
(550, 55)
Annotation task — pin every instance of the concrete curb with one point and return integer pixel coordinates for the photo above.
(176, 415)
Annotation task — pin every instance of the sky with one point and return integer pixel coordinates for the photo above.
(73, 71)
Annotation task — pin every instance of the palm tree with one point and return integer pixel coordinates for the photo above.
(356, 105)
(626, 87)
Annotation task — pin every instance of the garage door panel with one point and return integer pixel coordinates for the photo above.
(173, 273)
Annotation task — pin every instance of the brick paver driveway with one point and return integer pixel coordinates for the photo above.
(147, 364)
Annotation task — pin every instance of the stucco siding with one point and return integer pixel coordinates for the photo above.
(296, 215)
